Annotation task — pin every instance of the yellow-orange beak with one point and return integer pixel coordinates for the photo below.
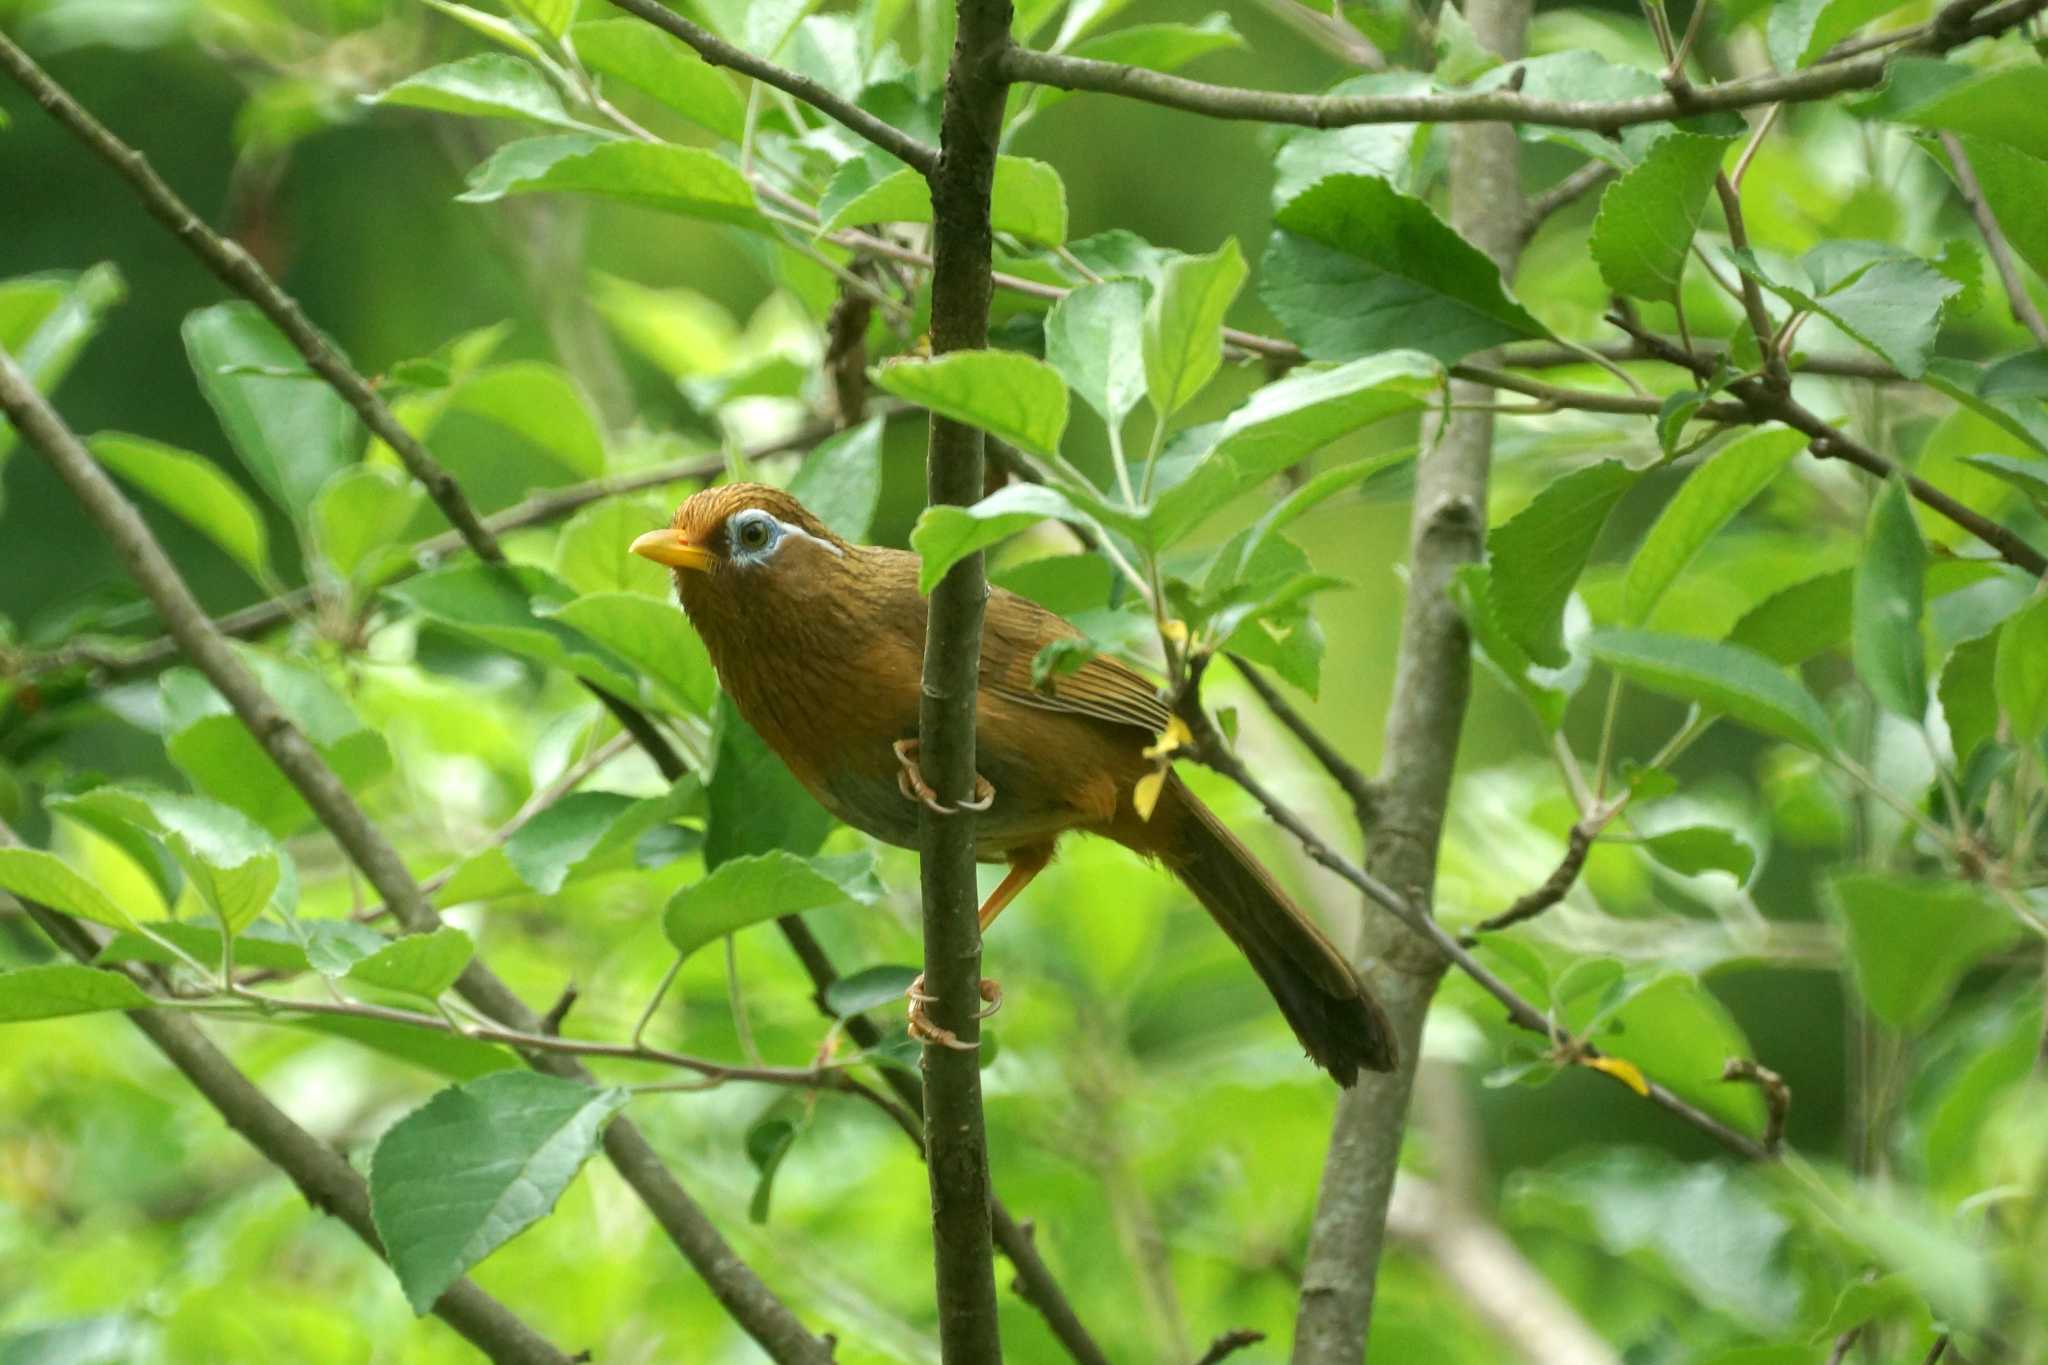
(667, 546)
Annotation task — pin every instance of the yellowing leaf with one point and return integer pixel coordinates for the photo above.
(1175, 736)
(1628, 1073)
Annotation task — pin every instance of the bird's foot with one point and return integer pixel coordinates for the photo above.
(914, 788)
(925, 1031)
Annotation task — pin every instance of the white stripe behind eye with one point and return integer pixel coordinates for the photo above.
(818, 541)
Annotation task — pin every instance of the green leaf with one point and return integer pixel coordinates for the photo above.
(1357, 267)
(756, 804)
(497, 605)
(2019, 415)
(443, 1054)
(474, 1167)
(1547, 691)
(945, 535)
(262, 944)
(1183, 333)
(1969, 697)
(288, 427)
(1647, 217)
(1693, 849)
(2029, 476)
(232, 863)
(1723, 679)
(868, 989)
(46, 320)
(1891, 656)
(1711, 495)
(768, 1141)
(840, 481)
(651, 637)
(1155, 47)
(48, 880)
(194, 488)
(1799, 31)
(1095, 338)
(495, 27)
(1893, 306)
(762, 886)
(1910, 941)
(1013, 397)
(1538, 555)
(1284, 423)
(60, 988)
(417, 964)
(655, 175)
(360, 518)
(2020, 676)
(544, 849)
(2014, 185)
(487, 85)
(591, 553)
(644, 57)
(541, 403)
(1796, 623)
(1677, 1032)
(2007, 105)
(1030, 201)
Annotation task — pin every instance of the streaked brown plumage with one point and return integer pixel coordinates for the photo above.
(820, 644)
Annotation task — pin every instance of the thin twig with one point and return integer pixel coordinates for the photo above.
(1831, 442)
(1348, 776)
(1777, 1096)
(1229, 1344)
(1565, 192)
(1024, 65)
(1995, 242)
(1554, 888)
(718, 52)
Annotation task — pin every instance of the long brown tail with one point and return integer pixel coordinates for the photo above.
(1331, 1012)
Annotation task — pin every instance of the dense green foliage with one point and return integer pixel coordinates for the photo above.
(1804, 711)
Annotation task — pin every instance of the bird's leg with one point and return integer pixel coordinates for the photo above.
(1025, 863)
(914, 788)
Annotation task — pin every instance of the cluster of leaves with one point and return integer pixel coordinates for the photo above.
(1893, 676)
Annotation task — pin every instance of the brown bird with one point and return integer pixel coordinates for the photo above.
(820, 645)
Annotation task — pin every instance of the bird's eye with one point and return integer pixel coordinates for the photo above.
(754, 533)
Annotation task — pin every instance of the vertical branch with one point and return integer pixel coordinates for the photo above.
(1995, 242)
(1432, 678)
(955, 1142)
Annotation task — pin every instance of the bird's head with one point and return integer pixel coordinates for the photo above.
(728, 541)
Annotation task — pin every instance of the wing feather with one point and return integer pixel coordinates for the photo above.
(1015, 630)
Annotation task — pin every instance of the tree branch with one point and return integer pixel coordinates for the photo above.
(955, 1141)
(1432, 679)
(1565, 192)
(1830, 442)
(1348, 776)
(322, 1174)
(2023, 307)
(764, 1316)
(1024, 65)
(1577, 846)
(718, 52)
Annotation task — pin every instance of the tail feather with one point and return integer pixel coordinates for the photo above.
(1330, 1010)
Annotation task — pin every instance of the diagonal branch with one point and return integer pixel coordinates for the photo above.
(757, 1309)
(1830, 442)
(718, 52)
(2023, 306)
(1024, 65)
(322, 1174)
(955, 1139)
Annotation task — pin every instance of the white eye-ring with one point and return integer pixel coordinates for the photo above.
(754, 533)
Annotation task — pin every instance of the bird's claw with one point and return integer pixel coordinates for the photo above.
(910, 781)
(924, 1030)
